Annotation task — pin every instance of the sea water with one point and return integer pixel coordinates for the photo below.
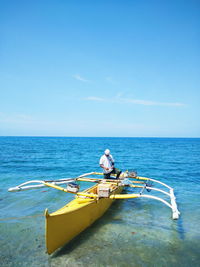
(134, 232)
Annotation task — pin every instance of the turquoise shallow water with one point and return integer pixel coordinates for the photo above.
(137, 232)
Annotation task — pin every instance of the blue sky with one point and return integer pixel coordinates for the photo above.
(100, 68)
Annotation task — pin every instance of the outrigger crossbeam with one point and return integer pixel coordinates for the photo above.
(134, 182)
(63, 225)
(173, 205)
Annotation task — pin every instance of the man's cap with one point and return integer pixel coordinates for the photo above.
(107, 152)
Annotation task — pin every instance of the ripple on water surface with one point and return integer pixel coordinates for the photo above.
(136, 232)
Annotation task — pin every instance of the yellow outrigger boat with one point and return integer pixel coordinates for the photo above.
(89, 205)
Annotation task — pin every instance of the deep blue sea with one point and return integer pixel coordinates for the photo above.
(134, 232)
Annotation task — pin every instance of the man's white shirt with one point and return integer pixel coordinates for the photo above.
(107, 162)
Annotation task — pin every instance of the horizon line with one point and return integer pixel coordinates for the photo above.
(69, 136)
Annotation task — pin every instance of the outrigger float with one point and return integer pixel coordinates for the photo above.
(89, 205)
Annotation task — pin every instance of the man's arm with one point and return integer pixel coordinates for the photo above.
(101, 163)
(103, 167)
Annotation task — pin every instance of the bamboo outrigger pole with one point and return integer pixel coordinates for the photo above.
(87, 197)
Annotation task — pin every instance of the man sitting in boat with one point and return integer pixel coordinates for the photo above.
(107, 164)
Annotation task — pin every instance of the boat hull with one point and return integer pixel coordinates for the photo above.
(67, 222)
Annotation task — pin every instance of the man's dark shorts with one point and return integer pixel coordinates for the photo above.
(114, 171)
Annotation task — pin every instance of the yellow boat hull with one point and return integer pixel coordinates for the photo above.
(67, 222)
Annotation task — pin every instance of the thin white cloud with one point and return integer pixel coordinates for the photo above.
(80, 78)
(94, 98)
(15, 118)
(24, 120)
(151, 103)
(120, 99)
